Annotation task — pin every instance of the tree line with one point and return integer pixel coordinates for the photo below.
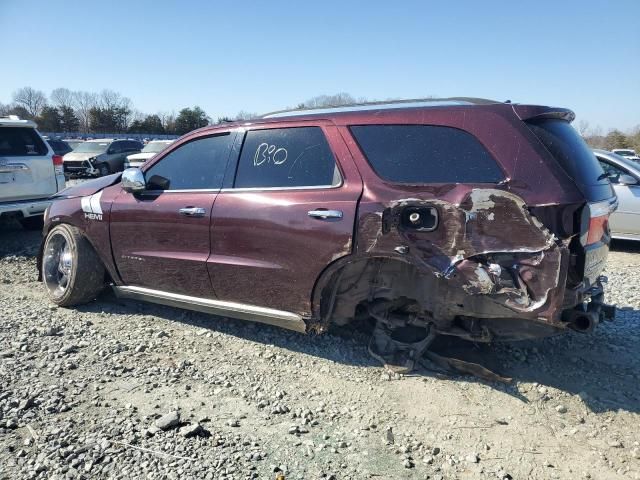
(68, 111)
(614, 138)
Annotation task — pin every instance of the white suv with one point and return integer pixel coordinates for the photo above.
(29, 172)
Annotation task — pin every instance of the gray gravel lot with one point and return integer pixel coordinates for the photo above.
(119, 389)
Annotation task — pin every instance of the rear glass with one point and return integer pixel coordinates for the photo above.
(21, 142)
(419, 154)
(570, 151)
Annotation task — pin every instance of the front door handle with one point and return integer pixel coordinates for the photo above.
(192, 212)
(324, 214)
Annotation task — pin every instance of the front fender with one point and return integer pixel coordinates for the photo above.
(89, 213)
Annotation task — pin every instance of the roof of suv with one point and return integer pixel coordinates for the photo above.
(383, 105)
(15, 121)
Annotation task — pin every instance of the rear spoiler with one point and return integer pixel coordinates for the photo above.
(536, 112)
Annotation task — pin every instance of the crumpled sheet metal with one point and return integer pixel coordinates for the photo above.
(487, 223)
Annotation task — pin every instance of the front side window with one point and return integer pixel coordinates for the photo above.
(419, 154)
(612, 172)
(199, 164)
(286, 158)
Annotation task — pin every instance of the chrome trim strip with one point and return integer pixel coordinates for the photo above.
(270, 316)
(275, 189)
(12, 167)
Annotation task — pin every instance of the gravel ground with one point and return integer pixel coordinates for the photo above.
(119, 389)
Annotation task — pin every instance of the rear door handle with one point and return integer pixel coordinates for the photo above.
(323, 213)
(192, 212)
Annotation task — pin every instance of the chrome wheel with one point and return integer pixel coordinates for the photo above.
(57, 263)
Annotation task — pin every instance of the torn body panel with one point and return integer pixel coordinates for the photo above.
(489, 259)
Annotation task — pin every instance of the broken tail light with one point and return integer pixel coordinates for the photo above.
(599, 221)
(57, 164)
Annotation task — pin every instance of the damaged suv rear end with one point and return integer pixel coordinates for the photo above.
(487, 222)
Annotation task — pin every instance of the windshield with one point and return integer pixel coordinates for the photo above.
(153, 147)
(625, 153)
(92, 147)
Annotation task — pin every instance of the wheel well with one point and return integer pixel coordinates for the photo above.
(346, 288)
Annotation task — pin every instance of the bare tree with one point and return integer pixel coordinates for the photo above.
(83, 103)
(29, 98)
(335, 100)
(62, 97)
(4, 109)
(584, 128)
(243, 115)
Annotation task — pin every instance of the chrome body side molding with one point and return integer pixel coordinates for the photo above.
(242, 311)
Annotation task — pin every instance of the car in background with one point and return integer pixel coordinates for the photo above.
(30, 172)
(60, 147)
(149, 151)
(73, 142)
(627, 153)
(624, 175)
(99, 157)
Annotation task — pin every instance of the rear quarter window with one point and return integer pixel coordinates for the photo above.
(21, 142)
(418, 154)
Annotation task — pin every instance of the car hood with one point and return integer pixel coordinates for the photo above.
(141, 156)
(89, 187)
(79, 156)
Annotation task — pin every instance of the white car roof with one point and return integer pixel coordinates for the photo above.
(15, 121)
(101, 140)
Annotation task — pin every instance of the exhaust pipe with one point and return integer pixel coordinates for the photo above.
(584, 322)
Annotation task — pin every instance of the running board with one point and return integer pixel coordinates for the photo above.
(270, 316)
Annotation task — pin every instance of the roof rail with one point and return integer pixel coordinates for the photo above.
(382, 105)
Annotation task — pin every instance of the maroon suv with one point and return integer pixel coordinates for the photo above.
(478, 219)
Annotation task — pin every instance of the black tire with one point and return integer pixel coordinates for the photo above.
(104, 169)
(32, 223)
(71, 270)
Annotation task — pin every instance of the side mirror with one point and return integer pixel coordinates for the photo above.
(133, 180)
(627, 180)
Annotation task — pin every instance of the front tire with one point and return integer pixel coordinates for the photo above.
(104, 169)
(71, 270)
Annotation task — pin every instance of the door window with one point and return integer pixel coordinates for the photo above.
(199, 164)
(116, 147)
(286, 158)
(612, 171)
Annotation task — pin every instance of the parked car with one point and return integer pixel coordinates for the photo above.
(30, 172)
(59, 147)
(627, 153)
(471, 218)
(73, 142)
(149, 151)
(99, 157)
(624, 174)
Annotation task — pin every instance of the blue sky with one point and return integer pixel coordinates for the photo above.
(263, 56)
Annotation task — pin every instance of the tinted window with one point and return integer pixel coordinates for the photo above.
(116, 147)
(426, 154)
(570, 151)
(286, 157)
(133, 146)
(195, 165)
(17, 141)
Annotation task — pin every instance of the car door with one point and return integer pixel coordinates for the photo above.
(160, 238)
(625, 221)
(289, 213)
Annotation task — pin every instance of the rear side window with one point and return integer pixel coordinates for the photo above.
(199, 164)
(285, 158)
(418, 154)
(20, 142)
(570, 151)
